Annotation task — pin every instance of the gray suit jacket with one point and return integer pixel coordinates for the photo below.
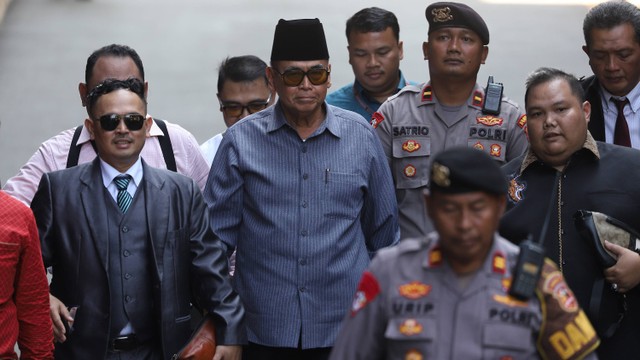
(190, 263)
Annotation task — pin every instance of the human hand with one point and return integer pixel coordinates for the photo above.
(626, 272)
(228, 352)
(59, 313)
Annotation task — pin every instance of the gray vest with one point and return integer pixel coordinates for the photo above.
(130, 267)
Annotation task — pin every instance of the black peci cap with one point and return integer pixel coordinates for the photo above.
(450, 14)
(299, 40)
(463, 169)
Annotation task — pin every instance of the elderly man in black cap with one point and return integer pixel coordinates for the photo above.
(446, 296)
(303, 191)
(452, 109)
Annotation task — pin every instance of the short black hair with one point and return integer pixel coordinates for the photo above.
(244, 68)
(132, 84)
(373, 19)
(114, 50)
(609, 15)
(545, 74)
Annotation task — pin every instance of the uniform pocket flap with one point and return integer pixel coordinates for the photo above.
(506, 336)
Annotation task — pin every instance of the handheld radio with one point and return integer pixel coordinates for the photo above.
(492, 97)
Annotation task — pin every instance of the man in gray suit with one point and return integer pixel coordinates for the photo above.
(130, 245)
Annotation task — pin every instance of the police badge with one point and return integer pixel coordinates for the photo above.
(596, 227)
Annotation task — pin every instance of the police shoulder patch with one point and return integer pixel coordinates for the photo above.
(499, 263)
(368, 289)
(376, 119)
(477, 98)
(427, 94)
(522, 121)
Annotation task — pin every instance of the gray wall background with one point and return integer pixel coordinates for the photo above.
(44, 45)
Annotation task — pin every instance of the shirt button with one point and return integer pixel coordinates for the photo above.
(303, 289)
(304, 149)
(304, 232)
(304, 204)
(305, 176)
(303, 262)
(127, 276)
(125, 229)
(126, 253)
(127, 298)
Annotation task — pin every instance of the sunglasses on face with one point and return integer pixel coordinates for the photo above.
(110, 122)
(236, 110)
(294, 77)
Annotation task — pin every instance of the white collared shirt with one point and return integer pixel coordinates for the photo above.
(109, 173)
(631, 113)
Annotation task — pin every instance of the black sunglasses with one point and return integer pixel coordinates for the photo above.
(235, 109)
(294, 77)
(110, 122)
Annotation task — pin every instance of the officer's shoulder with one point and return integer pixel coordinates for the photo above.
(404, 247)
(408, 90)
(509, 104)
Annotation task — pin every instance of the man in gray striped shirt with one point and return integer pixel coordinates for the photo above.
(302, 190)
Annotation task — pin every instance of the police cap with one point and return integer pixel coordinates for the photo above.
(463, 169)
(450, 14)
(299, 40)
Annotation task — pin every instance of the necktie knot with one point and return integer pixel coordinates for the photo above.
(122, 181)
(620, 103)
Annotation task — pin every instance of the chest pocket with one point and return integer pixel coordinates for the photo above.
(343, 196)
(405, 336)
(411, 156)
(507, 341)
(491, 139)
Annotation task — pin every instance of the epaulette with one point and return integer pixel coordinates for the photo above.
(408, 89)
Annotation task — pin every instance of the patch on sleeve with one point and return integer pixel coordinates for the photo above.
(566, 330)
(368, 289)
(376, 119)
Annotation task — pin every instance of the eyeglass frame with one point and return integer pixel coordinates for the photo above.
(126, 118)
(304, 74)
(242, 107)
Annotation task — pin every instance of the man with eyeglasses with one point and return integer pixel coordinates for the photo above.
(243, 89)
(303, 192)
(451, 109)
(130, 245)
(169, 146)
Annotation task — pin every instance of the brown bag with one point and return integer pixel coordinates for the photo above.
(202, 344)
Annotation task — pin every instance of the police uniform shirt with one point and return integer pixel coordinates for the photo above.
(409, 306)
(413, 126)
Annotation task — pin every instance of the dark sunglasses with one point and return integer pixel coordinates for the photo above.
(110, 122)
(294, 77)
(235, 109)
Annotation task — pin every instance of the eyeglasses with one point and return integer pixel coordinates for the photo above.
(294, 77)
(110, 122)
(236, 110)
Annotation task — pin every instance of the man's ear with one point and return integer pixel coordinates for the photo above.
(585, 48)
(425, 50)
(82, 90)
(147, 125)
(146, 89)
(88, 124)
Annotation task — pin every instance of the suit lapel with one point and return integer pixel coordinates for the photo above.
(92, 198)
(157, 203)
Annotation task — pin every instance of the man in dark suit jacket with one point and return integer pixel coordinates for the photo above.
(612, 42)
(130, 245)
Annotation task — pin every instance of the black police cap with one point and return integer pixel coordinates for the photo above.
(299, 40)
(450, 14)
(463, 170)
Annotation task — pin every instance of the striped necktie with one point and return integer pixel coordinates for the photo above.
(124, 198)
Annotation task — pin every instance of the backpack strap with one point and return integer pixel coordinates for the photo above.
(74, 150)
(165, 145)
